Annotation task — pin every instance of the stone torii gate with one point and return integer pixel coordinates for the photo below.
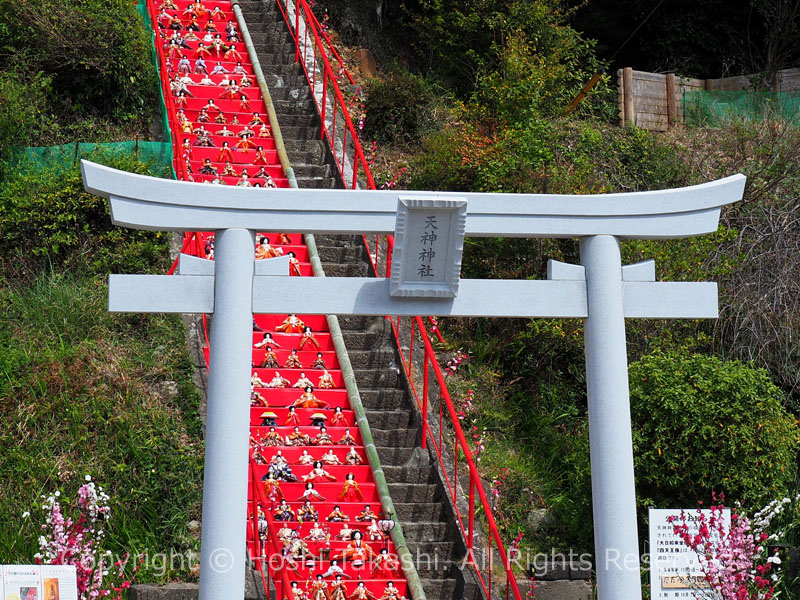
(600, 290)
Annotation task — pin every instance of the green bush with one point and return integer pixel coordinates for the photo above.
(23, 109)
(96, 53)
(46, 217)
(703, 425)
(401, 109)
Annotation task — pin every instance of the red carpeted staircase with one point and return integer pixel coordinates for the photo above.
(222, 136)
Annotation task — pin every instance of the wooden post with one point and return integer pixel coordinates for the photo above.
(627, 91)
(708, 85)
(620, 97)
(672, 102)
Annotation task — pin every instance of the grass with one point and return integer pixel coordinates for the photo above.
(86, 392)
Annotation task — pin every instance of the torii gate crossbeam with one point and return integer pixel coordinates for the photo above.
(600, 290)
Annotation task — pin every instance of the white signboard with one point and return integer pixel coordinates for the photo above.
(429, 241)
(674, 569)
(38, 582)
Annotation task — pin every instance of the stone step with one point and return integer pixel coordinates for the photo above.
(295, 107)
(441, 554)
(440, 589)
(274, 59)
(391, 455)
(298, 133)
(389, 419)
(411, 492)
(339, 240)
(356, 321)
(310, 170)
(316, 147)
(378, 358)
(395, 437)
(421, 532)
(403, 474)
(307, 120)
(343, 254)
(383, 399)
(374, 377)
(346, 270)
(419, 511)
(362, 340)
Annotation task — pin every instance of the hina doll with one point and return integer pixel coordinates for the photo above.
(319, 362)
(294, 271)
(267, 340)
(305, 459)
(303, 381)
(308, 335)
(317, 534)
(278, 381)
(385, 565)
(284, 512)
(325, 383)
(367, 514)
(338, 589)
(297, 438)
(391, 593)
(353, 457)
(329, 458)
(291, 324)
(272, 488)
(318, 474)
(357, 551)
(309, 400)
(291, 417)
(347, 439)
(322, 438)
(319, 589)
(311, 494)
(350, 490)
(270, 359)
(273, 438)
(337, 516)
(293, 360)
(307, 512)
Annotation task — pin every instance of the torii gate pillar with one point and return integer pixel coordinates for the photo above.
(227, 417)
(616, 539)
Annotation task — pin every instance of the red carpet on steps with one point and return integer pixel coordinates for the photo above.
(228, 119)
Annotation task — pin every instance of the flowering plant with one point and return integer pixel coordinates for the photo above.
(78, 541)
(735, 561)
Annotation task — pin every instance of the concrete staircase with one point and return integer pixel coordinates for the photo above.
(294, 105)
(419, 496)
(423, 509)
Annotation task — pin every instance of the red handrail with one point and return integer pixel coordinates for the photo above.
(309, 63)
(310, 53)
(332, 48)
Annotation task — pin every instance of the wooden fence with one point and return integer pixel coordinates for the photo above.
(653, 100)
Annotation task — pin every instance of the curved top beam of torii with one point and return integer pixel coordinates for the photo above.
(143, 202)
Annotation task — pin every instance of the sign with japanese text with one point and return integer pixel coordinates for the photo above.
(429, 242)
(674, 569)
(38, 582)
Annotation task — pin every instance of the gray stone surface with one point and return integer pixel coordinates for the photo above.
(559, 590)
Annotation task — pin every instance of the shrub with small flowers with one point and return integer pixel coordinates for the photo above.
(454, 364)
(734, 557)
(78, 541)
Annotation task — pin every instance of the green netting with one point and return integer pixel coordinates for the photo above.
(158, 154)
(713, 108)
(66, 156)
(141, 8)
